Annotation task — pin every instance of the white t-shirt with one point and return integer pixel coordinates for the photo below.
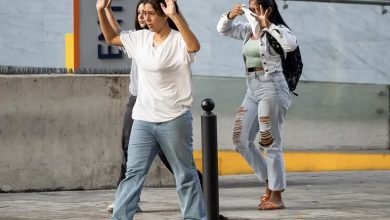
(164, 75)
(133, 86)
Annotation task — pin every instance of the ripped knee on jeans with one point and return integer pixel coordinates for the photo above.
(238, 125)
(266, 138)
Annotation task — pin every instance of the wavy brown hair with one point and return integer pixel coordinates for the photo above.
(136, 22)
(156, 6)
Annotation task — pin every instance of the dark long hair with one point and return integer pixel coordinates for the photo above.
(275, 16)
(156, 6)
(136, 22)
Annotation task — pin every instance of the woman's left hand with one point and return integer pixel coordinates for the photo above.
(170, 10)
(262, 16)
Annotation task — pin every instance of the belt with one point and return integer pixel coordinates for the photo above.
(254, 69)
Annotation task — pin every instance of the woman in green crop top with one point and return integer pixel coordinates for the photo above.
(267, 98)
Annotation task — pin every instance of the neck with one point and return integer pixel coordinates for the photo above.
(162, 34)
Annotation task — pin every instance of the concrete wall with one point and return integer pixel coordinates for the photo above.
(63, 131)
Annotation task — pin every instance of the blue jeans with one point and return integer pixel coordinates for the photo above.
(175, 140)
(261, 113)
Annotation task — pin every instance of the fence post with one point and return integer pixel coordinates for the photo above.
(210, 159)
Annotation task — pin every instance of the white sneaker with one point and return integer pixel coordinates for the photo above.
(110, 208)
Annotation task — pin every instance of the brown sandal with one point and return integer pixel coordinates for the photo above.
(271, 206)
(263, 199)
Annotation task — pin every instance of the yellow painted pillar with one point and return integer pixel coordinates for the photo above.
(69, 51)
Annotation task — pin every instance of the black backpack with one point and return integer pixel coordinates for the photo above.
(292, 65)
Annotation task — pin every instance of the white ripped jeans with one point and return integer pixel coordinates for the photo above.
(262, 110)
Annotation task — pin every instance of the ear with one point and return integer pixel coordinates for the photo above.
(269, 10)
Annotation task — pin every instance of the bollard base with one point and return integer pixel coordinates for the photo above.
(221, 217)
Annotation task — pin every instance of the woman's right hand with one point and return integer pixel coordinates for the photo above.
(108, 4)
(235, 11)
(102, 4)
(263, 16)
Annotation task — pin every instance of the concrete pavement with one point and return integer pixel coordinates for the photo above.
(320, 195)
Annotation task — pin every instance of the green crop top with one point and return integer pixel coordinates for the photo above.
(252, 54)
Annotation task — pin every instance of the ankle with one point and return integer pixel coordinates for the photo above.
(276, 195)
(267, 190)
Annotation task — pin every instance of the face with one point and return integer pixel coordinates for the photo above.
(253, 5)
(154, 21)
(141, 16)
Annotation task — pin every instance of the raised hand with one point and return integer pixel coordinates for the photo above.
(170, 10)
(235, 11)
(262, 16)
(102, 4)
(109, 4)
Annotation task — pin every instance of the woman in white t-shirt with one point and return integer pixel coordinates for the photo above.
(162, 111)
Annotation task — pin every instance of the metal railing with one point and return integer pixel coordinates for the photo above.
(360, 2)
(22, 70)
(382, 3)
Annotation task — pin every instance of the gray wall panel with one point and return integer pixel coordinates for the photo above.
(90, 30)
(338, 44)
(28, 26)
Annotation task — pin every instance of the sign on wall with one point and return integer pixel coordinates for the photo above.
(90, 49)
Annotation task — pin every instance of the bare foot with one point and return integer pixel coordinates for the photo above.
(276, 198)
(266, 196)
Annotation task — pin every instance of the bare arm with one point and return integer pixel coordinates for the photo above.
(189, 38)
(109, 33)
(182, 16)
(111, 18)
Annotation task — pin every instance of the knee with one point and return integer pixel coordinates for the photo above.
(240, 143)
(134, 171)
(274, 153)
(187, 179)
(237, 130)
(241, 146)
(266, 138)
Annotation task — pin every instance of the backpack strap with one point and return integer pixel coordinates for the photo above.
(275, 44)
(279, 50)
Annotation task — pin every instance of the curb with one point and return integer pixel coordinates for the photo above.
(231, 162)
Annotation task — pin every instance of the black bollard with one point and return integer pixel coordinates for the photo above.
(210, 159)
